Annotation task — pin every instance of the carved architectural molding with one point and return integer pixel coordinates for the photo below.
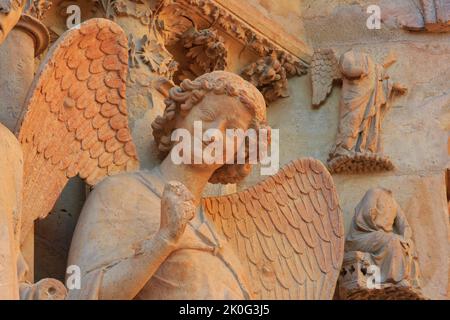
(142, 10)
(198, 28)
(223, 14)
(219, 13)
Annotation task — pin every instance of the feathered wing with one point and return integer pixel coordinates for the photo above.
(287, 231)
(324, 71)
(76, 121)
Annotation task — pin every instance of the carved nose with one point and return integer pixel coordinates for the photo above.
(5, 7)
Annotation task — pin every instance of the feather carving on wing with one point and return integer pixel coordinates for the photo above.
(76, 121)
(324, 71)
(287, 231)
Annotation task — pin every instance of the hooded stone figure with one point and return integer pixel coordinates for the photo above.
(379, 227)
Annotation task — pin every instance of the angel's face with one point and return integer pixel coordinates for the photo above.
(10, 12)
(217, 114)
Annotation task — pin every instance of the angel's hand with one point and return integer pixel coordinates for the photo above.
(177, 209)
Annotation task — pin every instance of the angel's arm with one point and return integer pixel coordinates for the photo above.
(125, 277)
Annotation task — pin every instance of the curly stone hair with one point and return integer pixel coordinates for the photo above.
(184, 97)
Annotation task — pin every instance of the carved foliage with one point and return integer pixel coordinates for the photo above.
(206, 48)
(38, 8)
(136, 8)
(270, 74)
(156, 57)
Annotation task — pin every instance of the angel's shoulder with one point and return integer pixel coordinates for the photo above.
(118, 181)
(120, 203)
(125, 182)
(8, 140)
(116, 191)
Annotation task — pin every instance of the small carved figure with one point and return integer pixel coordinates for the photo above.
(380, 244)
(150, 235)
(366, 94)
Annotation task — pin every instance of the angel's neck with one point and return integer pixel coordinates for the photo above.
(193, 177)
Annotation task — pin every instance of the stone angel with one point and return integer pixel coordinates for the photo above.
(75, 124)
(150, 235)
(366, 94)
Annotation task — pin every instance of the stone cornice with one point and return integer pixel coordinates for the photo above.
(255, 31)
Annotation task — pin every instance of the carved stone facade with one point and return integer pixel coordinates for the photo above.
(101, 101)
(380, 259)
(432, 16)
(366, 96)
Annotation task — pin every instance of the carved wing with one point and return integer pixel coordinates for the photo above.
(76, 121)
(324, 71)
(287, 231)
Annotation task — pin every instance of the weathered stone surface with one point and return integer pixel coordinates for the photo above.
(11, 168)
(415, 132)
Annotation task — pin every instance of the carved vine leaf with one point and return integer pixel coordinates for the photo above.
(38, 8)
(156, 56)
(134, 8)
(172, 23)
(206, 48)
(108, 7)
(270, 74)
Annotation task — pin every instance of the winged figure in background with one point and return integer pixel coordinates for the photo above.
(75, 124)
(367, 91)
(151, 235)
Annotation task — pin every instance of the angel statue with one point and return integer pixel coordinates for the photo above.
(75, 124)
(150, 234)
(380, 241)
(366, 94)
